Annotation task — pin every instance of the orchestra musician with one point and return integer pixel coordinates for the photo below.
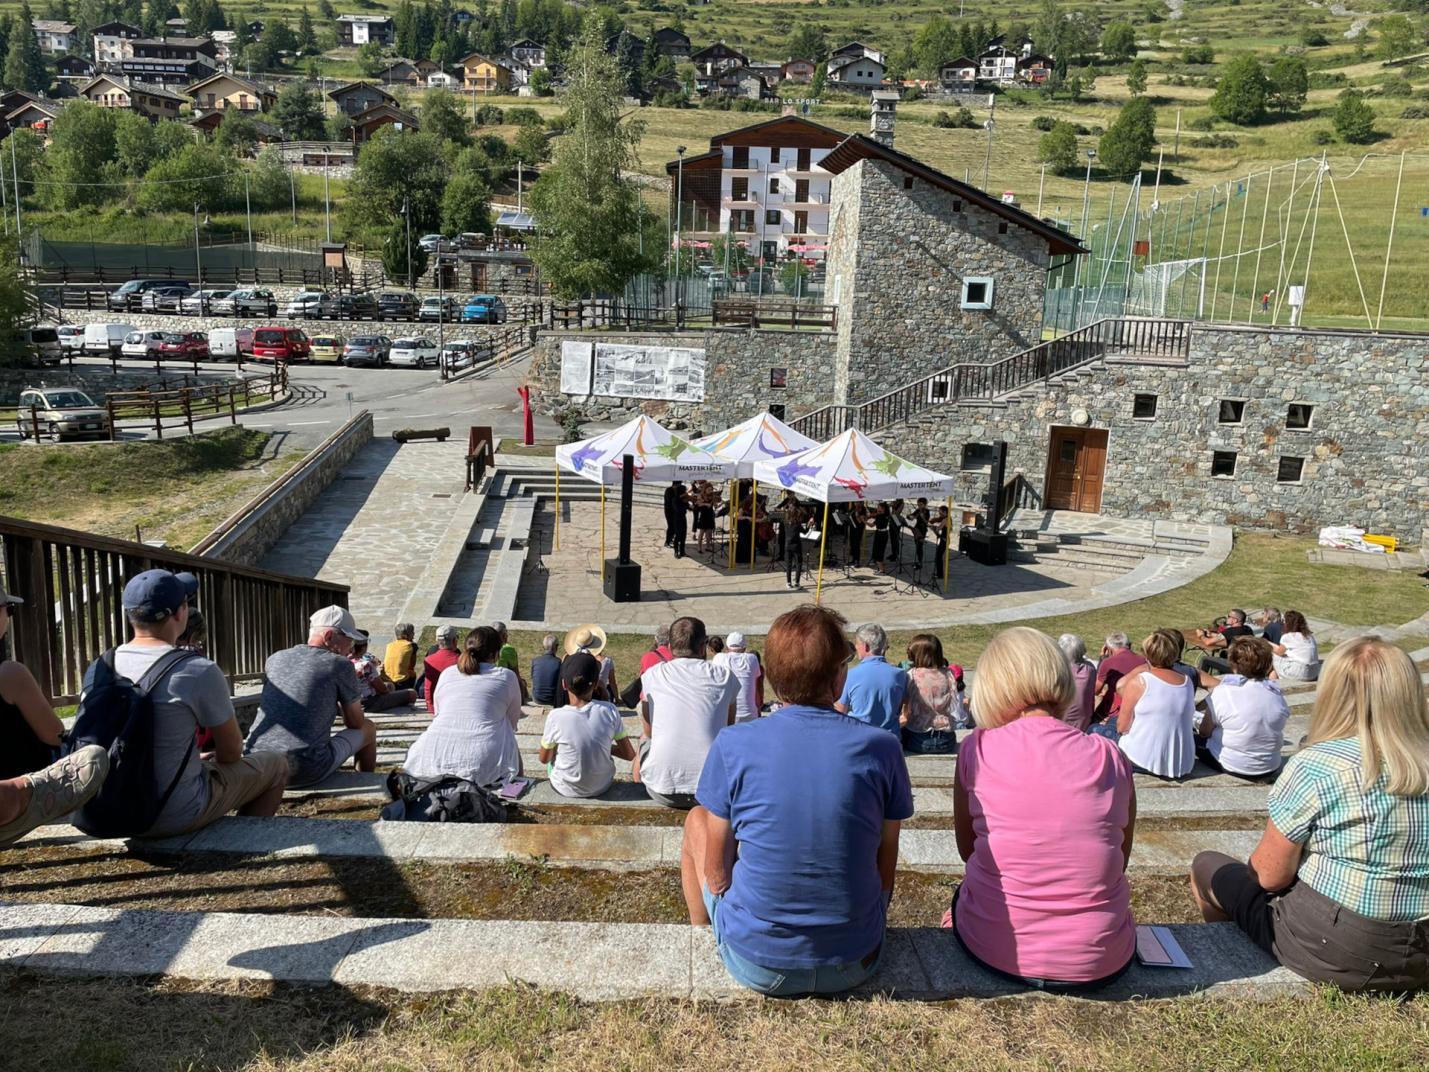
(921, 519)
(897, 523)
(942, 527)
(882, 523)
(857, 523)
(792, 520)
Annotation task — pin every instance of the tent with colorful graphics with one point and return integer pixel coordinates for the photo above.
(853, 468)
(761, 438)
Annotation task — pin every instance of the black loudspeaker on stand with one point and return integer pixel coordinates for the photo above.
(988, 546)
(622, 576)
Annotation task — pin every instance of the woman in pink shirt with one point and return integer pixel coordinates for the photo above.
(1043, 815)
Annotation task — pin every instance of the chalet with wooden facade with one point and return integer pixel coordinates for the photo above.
(114, 91)
(221, 92)
(481, 74)
(112, 42)
(717, 57)
(671, 42)
(357, 97)
(382, 115)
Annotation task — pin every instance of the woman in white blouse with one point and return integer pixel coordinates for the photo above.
(1297, 657)
(1242, 731)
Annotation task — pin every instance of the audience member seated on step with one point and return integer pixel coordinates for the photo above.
(714, 646)
(546, 673)
(744, 665)
(1084, 681)
(1117, 661)
(580, 738)
(30, 731)
(687, 702)
(1243, 727)
(510, 660)
(377, 691)
(1269, 623)
(445, 654)
(1155, 726)
(1044, 817)
(190, 693)
(873, 689)
(473, 734)
(932, 705)
(659, 652)
(307, 687)
(1297, 656)
(791, 853)
(399, 661)
(1338, 888)
(30, 801)
(1217, 639)
(591, 639)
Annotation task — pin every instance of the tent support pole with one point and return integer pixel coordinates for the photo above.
(558, 505)
(602, 537)
(823, 541)
(753, 523)
(729, 526)
(948, 546)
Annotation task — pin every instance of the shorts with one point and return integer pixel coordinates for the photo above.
(232, 785)
(788, 982)
(312, 765)
(681, 801)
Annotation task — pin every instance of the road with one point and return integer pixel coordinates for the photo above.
(324, 396)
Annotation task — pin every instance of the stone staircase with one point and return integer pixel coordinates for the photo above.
(1108, 545)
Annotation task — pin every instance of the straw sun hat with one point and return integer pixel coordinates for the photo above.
(590, 637)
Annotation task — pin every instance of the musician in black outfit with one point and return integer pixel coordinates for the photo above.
(921, 519)
(791, 540)
(897, 523)
(787, 501)
(857, 523)
(882, 522)
(679, 521)
(941, 527)
(672, 496)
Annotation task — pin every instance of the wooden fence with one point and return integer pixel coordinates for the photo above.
(742, 312)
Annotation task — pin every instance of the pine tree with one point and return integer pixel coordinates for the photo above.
(1136, 77)
(1240, 96)
(24, 62)
(307, 36)
(1130, 140)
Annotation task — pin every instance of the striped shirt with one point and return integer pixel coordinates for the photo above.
(1364, 849)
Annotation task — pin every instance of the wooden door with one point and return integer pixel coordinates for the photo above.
(1076, 467)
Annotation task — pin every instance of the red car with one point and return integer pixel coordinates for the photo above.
(185, 345)
(280, 344)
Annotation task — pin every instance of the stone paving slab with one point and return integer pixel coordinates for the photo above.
(592, 961)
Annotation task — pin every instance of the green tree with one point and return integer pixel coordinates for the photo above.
(237, 133)
(1130, 141)
(466, 204)
(1241, 94)
(1118, 42)
(269, 182)
(935, 44)
(398, 167)
(1058, 148)
(372, 59)
(807, 42)
(794, 276)
(587, 210)
(1354, 118)
(445, 118)
(1136, 77)
(171, 137)
(136, 144)
(24, 62)
(727, 252)
(531, 146)
(14, 305)
(398, 246)
(541, 82)
(307, 35)
(81, 154)
(1397, 37)
(200, 173)
(298, 113)
(1289, 84)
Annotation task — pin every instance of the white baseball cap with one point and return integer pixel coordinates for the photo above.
(335, 617)
(734, 640)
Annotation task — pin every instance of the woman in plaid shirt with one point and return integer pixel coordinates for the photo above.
(1338, 889)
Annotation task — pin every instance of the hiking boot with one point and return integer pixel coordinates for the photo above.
(58, 790)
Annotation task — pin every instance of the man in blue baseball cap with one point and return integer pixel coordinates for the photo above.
(193, 695)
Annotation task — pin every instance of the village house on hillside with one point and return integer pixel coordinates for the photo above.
(358, 30)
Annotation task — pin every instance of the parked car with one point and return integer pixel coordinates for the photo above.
(107, 339)
(397, 305)
(434, 243)
(201, 302)
(60, 412)
(484, 309)
(164, 299)
(459, 353)
(230, 342)
(142, 344)
(325, 348)
(304, 303)
(348, 307)
(257, 301)
(71, 338)
(42, 343)
(274, 343)
(128, 296)
(436, 309)
(415, 352)
(367, 351)
(184, 345)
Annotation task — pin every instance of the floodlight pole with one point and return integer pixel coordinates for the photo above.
(198, 263)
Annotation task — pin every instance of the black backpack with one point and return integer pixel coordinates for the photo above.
(118, 715)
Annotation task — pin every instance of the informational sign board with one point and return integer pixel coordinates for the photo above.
(671, 373)
(576, 358)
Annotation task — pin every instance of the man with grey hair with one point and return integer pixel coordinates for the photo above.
(873, 690)
(546, 673)
(1271, 627)
(1118, 660)
(1084, 675)
(438, 659)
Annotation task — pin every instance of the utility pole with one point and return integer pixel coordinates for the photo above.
(991, 124)
(198, 263)
(407, 216)
(15, 179)
(327, 195)
(519, 177)
(679, 223)
(248, 211)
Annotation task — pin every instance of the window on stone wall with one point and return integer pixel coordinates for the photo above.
(1143, 407)
(1232, 411)
(779, 377)
(1223, 463)
(977, 292)
(957, 206)
(1298, 416)
(907, 182)
(1291, 469)
(776, 410)
(978, 455)
(1002, 227)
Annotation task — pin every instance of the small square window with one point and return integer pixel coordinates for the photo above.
(977, 292)
(1232, 411)
(1223, 463)
(1002, 227)
(907, 182)
(1298, 416)
(957, 206)
(773, 218)
(1291, 469)
(776, 410)
(938, 389)
(977, 455)
(779, 377)
(1143, 407)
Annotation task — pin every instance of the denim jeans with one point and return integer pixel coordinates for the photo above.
(1105, 729)
(788, 982)
(931, 743)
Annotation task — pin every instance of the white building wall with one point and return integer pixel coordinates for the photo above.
(781, 163)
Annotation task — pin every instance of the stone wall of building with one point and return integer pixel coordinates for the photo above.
(1364, 452)
(896, 267)
(737, 376)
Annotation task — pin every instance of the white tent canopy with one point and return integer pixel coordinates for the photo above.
(761, 438)
(660, 456)
(851, 468)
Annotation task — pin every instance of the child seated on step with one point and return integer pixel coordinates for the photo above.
(579, 739)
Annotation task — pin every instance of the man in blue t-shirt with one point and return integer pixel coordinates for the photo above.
(874, 690)
(790, 855)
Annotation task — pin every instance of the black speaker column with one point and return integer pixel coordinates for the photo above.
(622, 576)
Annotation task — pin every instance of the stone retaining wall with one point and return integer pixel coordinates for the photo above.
(245, 537)
(96, 380)
(345, 328)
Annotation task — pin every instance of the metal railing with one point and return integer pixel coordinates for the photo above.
(72, 583)
(1162, 339)
(493, 349)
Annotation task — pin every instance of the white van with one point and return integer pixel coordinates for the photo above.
(230, 342)
(105, 338)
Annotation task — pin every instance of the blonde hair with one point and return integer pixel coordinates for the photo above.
(1371, 690)
(1162, 648)
(1020, 668)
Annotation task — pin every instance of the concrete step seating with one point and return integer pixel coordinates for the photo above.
(591, 961)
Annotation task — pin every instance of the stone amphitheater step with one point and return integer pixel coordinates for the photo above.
(591, 961)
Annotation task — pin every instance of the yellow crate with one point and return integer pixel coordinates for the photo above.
(1389, 543)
